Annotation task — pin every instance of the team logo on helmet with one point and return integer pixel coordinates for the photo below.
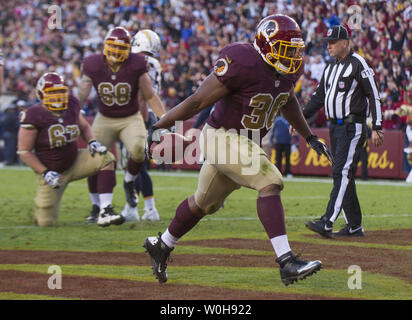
(278, 40)
(220, 67)
(269, 28)
(52, 91)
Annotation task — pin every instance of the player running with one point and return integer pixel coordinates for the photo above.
(250, 84)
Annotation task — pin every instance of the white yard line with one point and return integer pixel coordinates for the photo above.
(195, 174)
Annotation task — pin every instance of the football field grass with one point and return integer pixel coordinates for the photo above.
(232, 234)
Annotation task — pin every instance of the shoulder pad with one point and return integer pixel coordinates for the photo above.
(93, 63)
(74, 103)
(137, 61)
(155, 63)
(241, 53)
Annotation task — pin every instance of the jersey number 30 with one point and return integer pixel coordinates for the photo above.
(264, 110)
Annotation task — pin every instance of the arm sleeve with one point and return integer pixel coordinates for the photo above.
(27, 119)
(366, 79)
(317, 100)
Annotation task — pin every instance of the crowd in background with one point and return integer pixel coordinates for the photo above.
(192, 34)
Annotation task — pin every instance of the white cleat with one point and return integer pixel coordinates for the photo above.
(107, 217)
(130, 214)
(151, 214)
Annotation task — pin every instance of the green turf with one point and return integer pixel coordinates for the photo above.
(385, 205)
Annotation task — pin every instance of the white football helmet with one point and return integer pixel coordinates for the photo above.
(146, 41)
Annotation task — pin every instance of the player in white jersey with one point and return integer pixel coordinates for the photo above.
(147, 42)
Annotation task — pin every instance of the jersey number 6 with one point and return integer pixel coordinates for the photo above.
(60, 135)
(118, 94)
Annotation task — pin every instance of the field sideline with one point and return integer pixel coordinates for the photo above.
(226, 257)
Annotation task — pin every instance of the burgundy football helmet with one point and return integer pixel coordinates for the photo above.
(117, 45)
(278, 40)
(52, 91)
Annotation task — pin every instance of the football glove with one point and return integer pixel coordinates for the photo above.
(95, 146)
(52, 178)
(319, 147)
(153, 135)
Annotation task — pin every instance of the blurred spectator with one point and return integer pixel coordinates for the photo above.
(317, 67)
(390, 119)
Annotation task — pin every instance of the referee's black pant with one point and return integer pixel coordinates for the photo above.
(346, 140)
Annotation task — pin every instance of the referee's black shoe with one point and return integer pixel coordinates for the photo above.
(321, 226)
(350, 232)
(293, 269)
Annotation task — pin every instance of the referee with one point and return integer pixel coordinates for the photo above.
(349, 93)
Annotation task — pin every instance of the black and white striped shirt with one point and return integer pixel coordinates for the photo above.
(347, 87)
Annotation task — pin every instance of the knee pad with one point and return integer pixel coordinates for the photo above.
(45, 223)
(45, 215)
(107, 158)
(138, 151)
(44, 219)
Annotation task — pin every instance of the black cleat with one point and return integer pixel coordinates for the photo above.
(159, 253)
(94, 214)
(321, 226)
(350, 232)
(107, 217)
(130, 193)
(293, 269)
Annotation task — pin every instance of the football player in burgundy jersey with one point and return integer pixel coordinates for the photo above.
(51, 129)
(147, 42)
(118, 76)
(249, 85)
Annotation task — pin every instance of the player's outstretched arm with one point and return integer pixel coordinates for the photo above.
(210, 91)
(146, 88)
(85, 129)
